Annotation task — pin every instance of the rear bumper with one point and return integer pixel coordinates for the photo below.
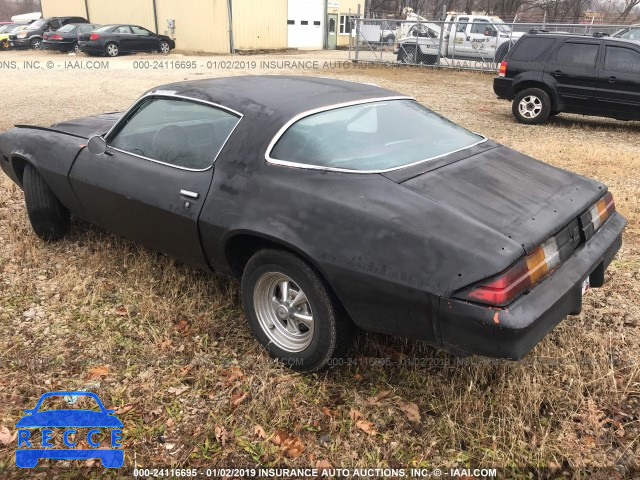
(20, 43)
(513, 331)
(59, 46)
(90, 47)
(502, 87)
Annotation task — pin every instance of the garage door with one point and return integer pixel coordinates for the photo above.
(305, 24)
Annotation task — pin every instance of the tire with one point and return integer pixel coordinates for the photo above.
(49, 219)
(164, 48)
(111, 49)
(407, 55)
(502, 51)
(531, 106)
(306, 346)
(76, 48)
(36, 44)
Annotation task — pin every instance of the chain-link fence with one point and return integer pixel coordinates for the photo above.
(477, 44)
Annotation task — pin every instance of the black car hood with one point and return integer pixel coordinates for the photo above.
(89, 126)
(514, 195)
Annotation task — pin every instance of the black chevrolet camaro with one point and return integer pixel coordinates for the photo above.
(338, 205)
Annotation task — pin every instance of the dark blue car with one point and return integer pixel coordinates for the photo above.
(70, 419)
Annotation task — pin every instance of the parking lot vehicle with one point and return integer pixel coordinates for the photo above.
(629, 33)
(6, 31)
(65, 39)
(476, 37)
(112, 40)
(31, 37)
(333, 202)
(546, 74)
(69, 417)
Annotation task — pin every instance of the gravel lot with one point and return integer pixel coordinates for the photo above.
(169, 347)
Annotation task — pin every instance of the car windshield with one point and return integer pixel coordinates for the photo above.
(38, 24)
(380, 135)
(67, 28)
(6, 28)
(500, 25)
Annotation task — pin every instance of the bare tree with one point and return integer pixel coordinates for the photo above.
(9, 8)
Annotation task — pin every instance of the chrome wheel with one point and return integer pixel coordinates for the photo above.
(530, 106)
(283, 311)
(76, 48)
(112, 50)
(36, 44)
(164, 48)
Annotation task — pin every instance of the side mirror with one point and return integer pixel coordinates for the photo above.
(97, 145)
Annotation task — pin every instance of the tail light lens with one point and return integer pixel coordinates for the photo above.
(503, 69)
(505, 287)
(55, 37)
(599, 213)
(94, 36)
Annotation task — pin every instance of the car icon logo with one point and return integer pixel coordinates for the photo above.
(69, 419)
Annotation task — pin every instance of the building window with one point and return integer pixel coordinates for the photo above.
(346, 24)
(291, 22)
(317, 23)
(304, 22)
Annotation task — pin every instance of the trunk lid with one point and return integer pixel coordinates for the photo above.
(517, 196)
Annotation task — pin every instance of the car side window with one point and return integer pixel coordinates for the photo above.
(462, 24)
(578, 54)
(620, 59)
(178, 132)
(123, 29)
(479, 26)
(140, 31)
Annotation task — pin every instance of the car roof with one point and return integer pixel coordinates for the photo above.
(580, 37)
(276, 97)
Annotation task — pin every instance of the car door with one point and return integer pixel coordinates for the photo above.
(145, 41)
(619, 91)
(458, 42)
(574, 67)
(125, 38)
(151, 182)
(479, 38)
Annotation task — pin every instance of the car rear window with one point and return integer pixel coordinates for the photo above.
(374, 136)
(67, 28)
(578, 54)
(530, 48)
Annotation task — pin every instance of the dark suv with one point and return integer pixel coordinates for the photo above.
(31, 37)
(545, 74)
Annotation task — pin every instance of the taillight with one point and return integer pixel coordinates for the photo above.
(503, 69)
(94, 36)
(602, 210)
(55, 37)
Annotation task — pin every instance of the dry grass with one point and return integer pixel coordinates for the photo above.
(196, 390)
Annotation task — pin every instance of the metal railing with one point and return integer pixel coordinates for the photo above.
(476, 45)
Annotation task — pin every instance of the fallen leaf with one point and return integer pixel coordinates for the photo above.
(259, 431)
(322, 465)
(186, 369)
(123, 409)
(411, 411)
(366, 427)
(5, 436)
(328, 412)
(122, 311)
(376, 399)
(292, 447)
(97, 372)
(237, 399)
(90, 462)
(221, 434)
(183, 326)
(279, 437)
(157, 412)
(357, 377)
(233, 374)
(177, 391)
(355, 414)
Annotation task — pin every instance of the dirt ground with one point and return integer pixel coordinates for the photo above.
(169, 347)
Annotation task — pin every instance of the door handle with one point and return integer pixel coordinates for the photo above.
(190, 194)
(468, 38)
(613, 79)
(558, 73)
